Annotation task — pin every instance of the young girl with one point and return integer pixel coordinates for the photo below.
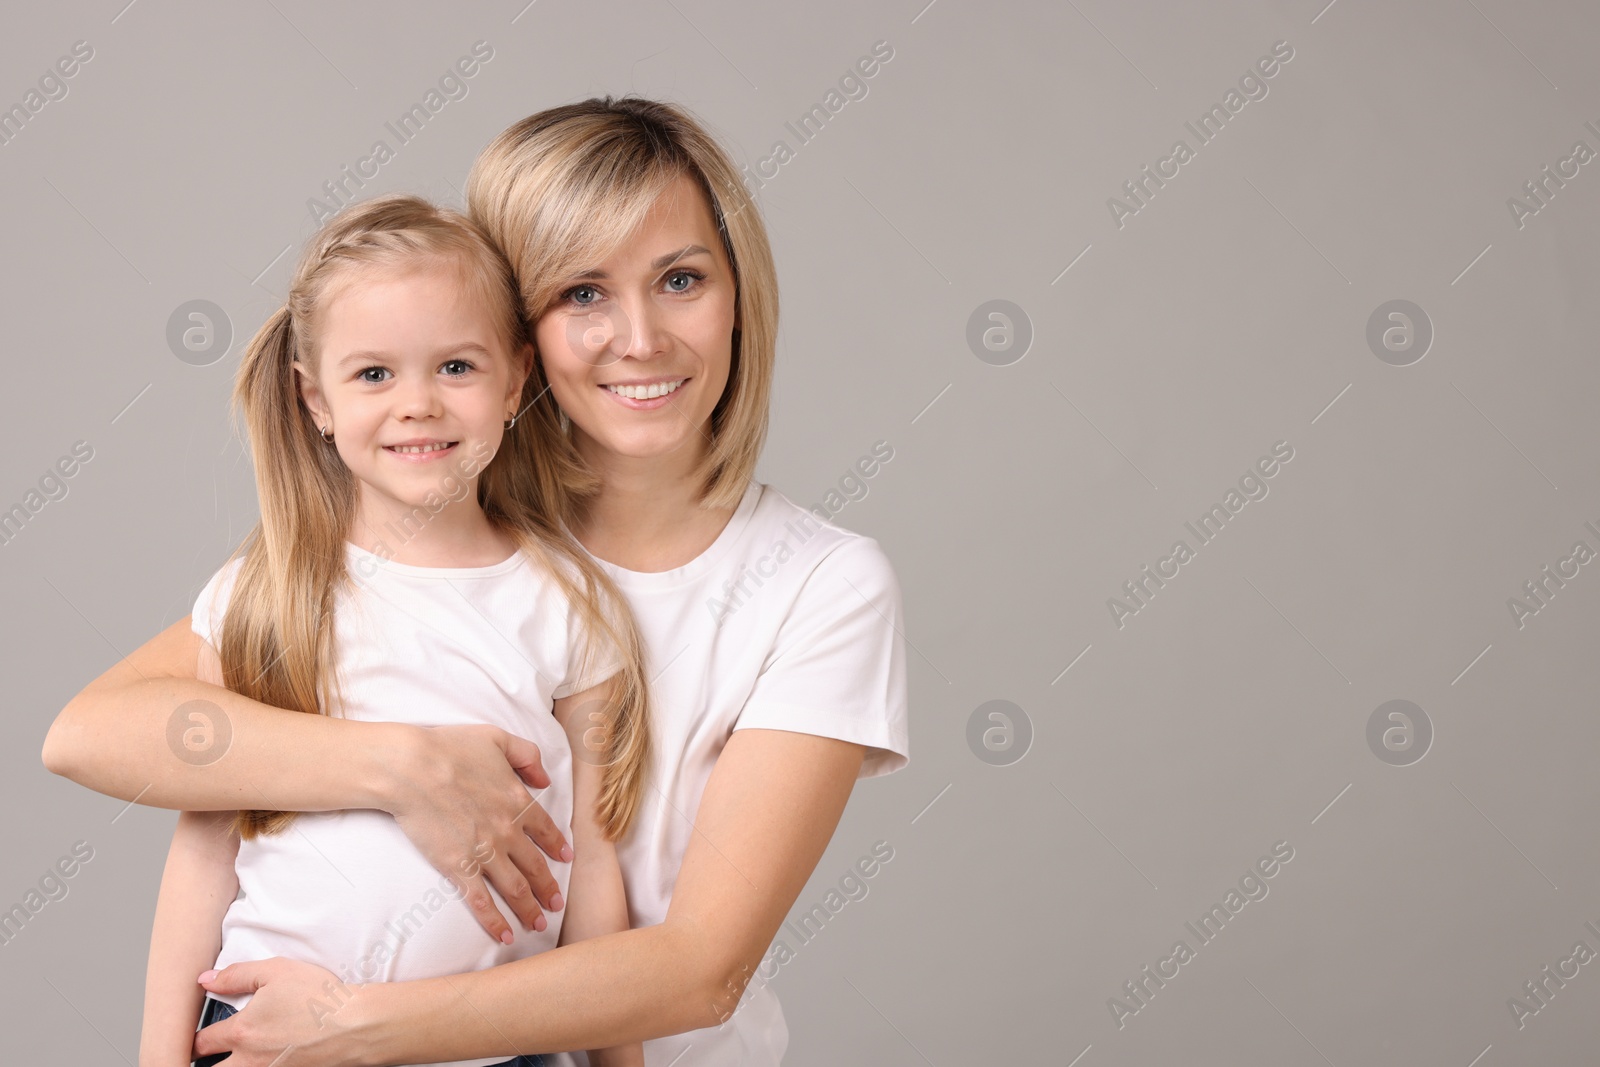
(399, 573)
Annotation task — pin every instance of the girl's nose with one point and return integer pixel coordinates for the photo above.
(418, 399)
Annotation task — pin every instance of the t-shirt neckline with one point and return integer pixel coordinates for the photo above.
(695, 568)
(354, 552)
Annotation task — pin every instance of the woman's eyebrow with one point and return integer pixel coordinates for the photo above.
(656, 264)
(672, 257)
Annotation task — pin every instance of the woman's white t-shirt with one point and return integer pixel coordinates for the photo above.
(430, 646)
(785, 623)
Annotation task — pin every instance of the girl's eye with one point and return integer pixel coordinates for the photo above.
(367, 375)
(687, 277)
(457, 367)
(574, 295)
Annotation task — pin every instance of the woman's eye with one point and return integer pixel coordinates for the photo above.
(583, 294)
(687, 278)
(457, 367)
(368, 375)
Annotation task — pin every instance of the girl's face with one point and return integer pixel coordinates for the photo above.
(637, 349)
(414, 384)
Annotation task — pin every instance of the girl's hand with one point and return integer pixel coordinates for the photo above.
(296, 1005)
(458, 794)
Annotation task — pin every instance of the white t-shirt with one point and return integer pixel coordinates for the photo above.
(430, 646)
(784, 623)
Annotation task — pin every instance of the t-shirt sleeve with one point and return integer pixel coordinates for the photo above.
(838, 666)
(212, 603)
(604, 658)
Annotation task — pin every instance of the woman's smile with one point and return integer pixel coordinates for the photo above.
(646, 395)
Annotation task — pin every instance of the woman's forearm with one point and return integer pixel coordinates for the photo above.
(158, 728)
(122, 742)
(150, 728)
(629, 986)
(767, 813)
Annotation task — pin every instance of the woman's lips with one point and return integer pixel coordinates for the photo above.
(644, 405)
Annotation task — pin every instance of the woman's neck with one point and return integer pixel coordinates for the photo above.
(646, 516)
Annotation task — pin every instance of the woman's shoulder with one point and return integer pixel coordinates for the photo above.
(808, 543)
(815, 526)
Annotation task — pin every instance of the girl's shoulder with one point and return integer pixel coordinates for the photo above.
(211, 603)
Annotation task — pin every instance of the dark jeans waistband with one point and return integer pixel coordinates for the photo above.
(215, 1011)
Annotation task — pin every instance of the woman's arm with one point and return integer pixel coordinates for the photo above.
(450, 788)
(597, 902)
(198, 885)
(113, 738)
(767, 814)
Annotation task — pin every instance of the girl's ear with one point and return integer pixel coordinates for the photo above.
(311, 394)
(521, 367)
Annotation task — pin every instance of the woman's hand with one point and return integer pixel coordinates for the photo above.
(295, 1005)
(459, 796)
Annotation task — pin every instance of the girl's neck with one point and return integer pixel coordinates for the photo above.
(646, 516)
(458, 535)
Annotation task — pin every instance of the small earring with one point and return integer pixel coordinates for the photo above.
(327, 438)
(512, 421)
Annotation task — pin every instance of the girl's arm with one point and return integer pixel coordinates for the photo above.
(196, 889)
(597, 903)
(450, 787)
(768, 811)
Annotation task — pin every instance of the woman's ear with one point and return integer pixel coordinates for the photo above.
(311, 395)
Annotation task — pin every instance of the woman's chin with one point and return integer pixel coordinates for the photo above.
(652, 442)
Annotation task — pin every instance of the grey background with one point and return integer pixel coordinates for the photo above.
(1230, 313)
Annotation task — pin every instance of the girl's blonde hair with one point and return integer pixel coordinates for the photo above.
(563, 188)
(277, 642)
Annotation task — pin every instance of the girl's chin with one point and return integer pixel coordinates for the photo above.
(431, 492)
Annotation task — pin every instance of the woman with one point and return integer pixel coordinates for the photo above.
(772, 641)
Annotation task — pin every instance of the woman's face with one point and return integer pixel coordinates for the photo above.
(637, 349)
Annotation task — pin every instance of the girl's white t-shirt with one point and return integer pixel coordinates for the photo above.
(430, 646)
(786, 622)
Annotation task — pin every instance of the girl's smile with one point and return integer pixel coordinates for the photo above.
(421, 449)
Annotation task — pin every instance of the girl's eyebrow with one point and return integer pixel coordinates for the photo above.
(368, 356)
(656, 264)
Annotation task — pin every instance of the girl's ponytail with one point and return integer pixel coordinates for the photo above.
(277, 634)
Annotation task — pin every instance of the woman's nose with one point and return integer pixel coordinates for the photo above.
(645, 337)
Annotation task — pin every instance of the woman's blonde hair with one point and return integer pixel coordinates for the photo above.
(558, 192)
(277, 641)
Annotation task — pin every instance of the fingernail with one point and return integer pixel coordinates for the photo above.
(555, 901)
(207, 976)
(566, 853)
(506, 936)
(540, 923)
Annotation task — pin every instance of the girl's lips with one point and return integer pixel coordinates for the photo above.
(422, 457)
(645, 405)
